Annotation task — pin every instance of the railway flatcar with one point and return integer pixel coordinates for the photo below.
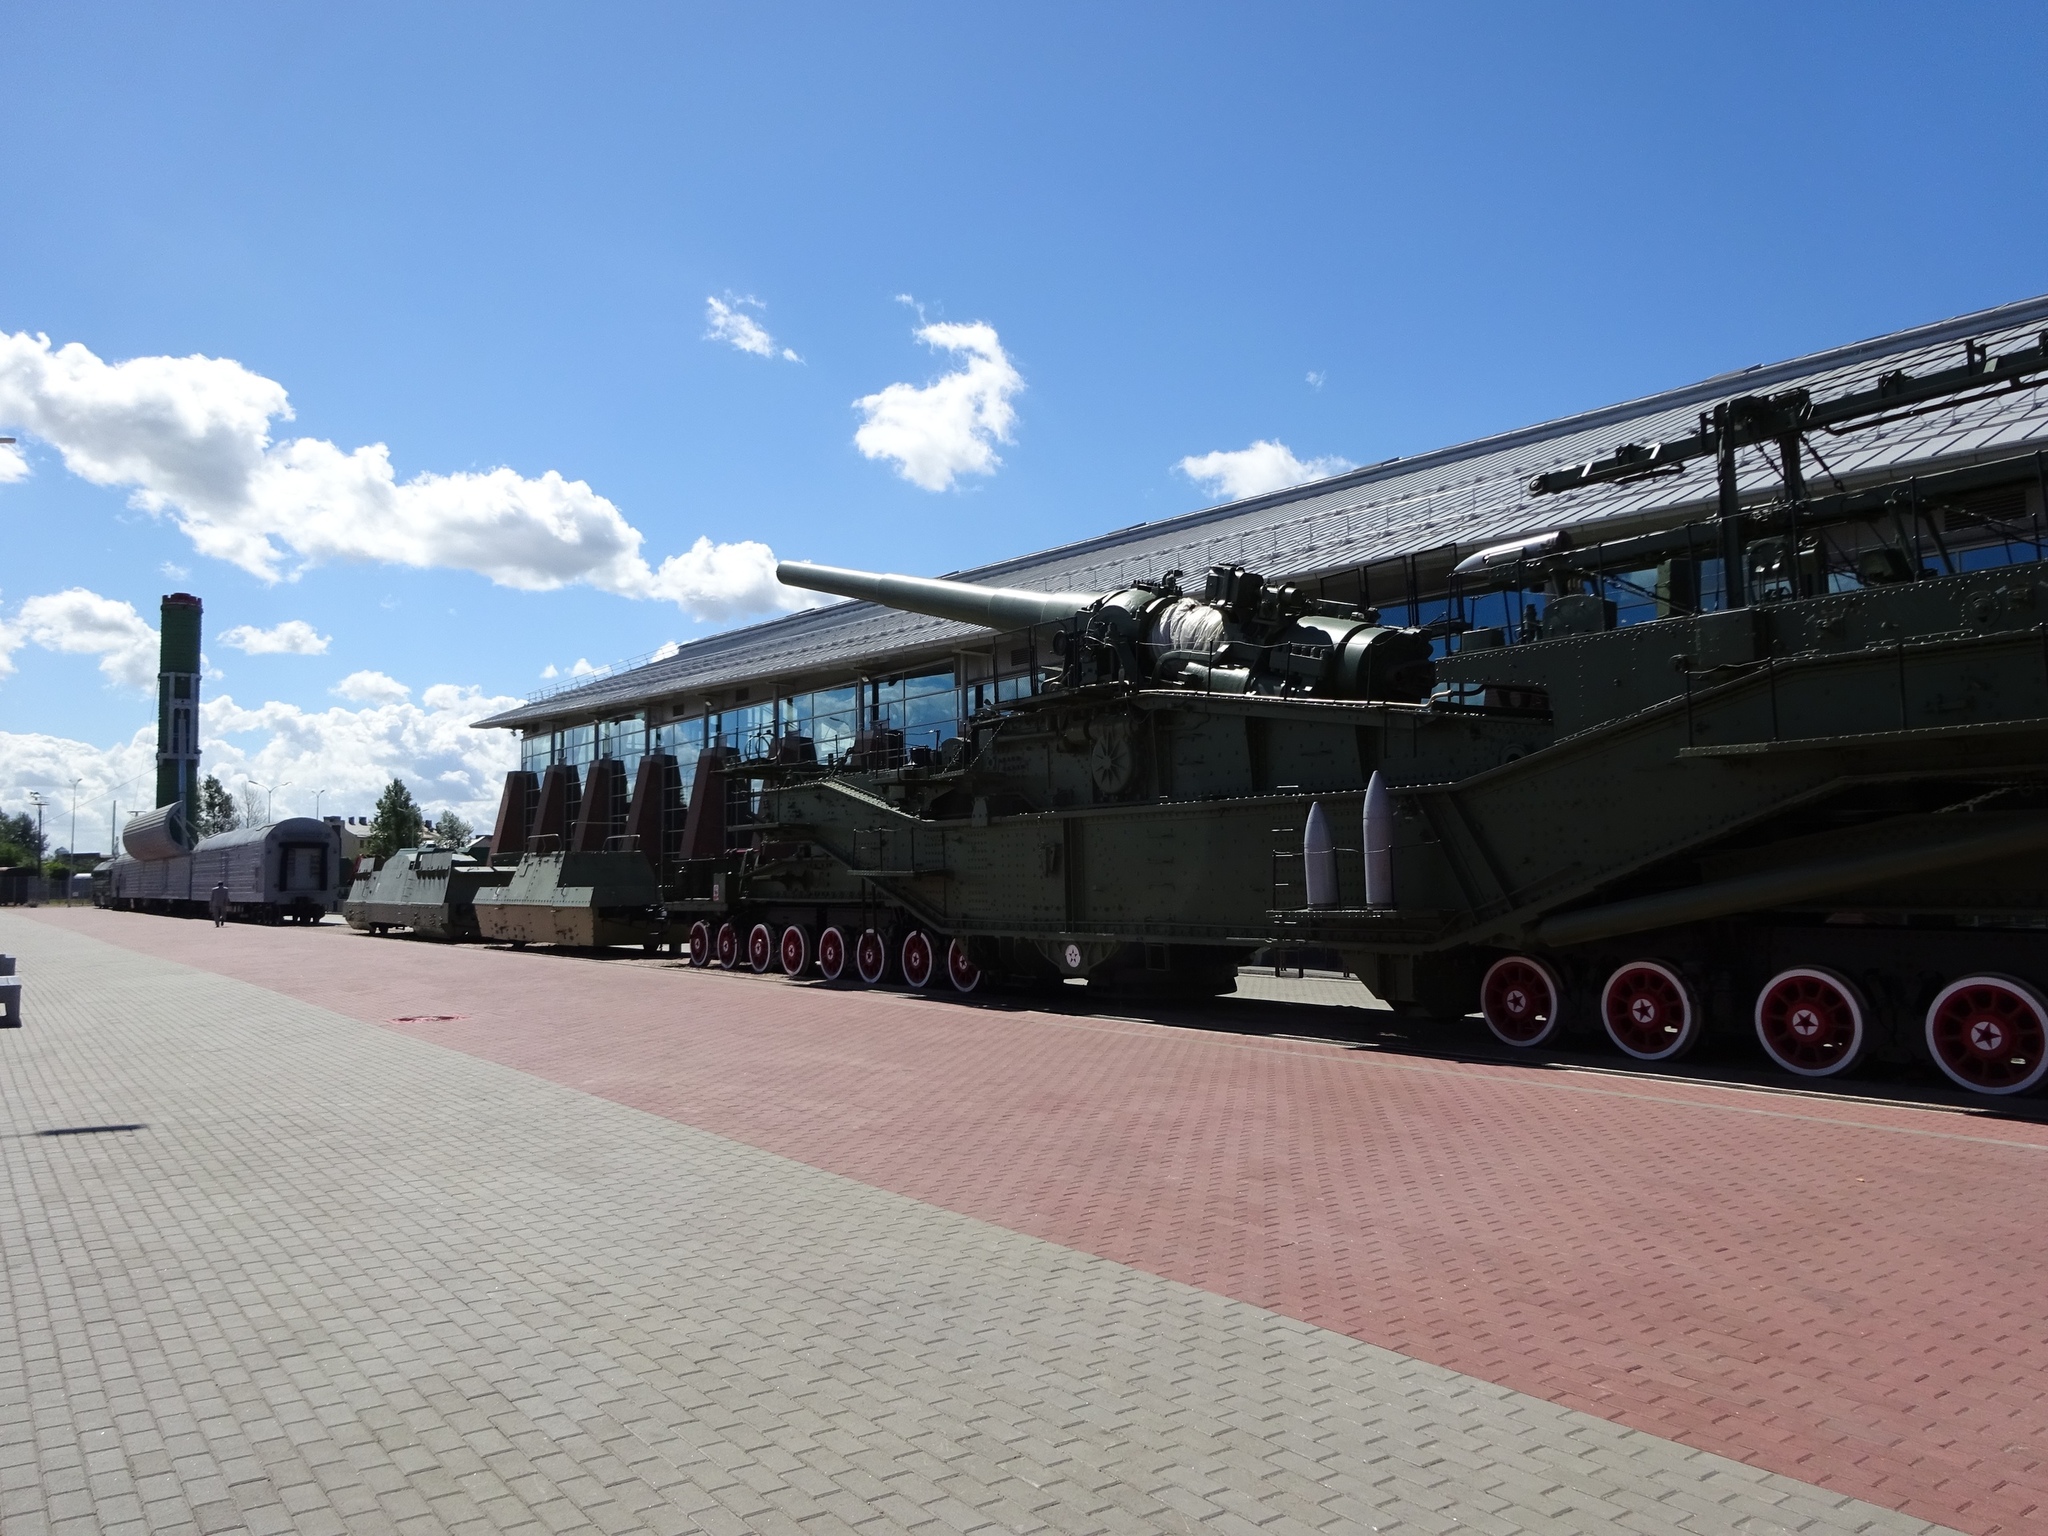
(289, 871)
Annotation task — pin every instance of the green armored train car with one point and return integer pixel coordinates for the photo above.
(431, 892)
(1727, 713)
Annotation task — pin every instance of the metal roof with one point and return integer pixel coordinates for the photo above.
(1471, 495)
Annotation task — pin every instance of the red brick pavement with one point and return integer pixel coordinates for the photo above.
(1845, 1293)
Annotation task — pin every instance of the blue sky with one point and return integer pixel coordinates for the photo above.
(487, 239)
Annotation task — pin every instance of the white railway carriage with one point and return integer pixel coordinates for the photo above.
(287, 871)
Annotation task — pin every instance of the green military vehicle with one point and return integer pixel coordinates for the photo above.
(575, 900)
(431, 892)
(1807, 799)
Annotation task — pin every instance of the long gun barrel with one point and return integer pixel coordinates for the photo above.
(1000, 608)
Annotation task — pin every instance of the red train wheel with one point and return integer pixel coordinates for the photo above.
(700, 943)
(1649, 1011)
(761, 948)
(917, 958)
(961, 971)
(1990, 1034)
(1811, 1021)
(795, 950)
(728, 947)
(832, 949)
(1521, 999)
(871, 957)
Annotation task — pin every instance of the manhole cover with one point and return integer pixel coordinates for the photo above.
(428, 1018)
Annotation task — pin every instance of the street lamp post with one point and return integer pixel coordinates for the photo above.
(114, 816)
(74, 815)
(316, 802)
(35, 798)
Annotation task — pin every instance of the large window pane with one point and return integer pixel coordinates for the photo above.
(919, 705)
(834, 720)
(683, 739)
(748, 729)
(930, 718)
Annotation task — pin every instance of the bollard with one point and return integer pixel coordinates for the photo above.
(10, 994)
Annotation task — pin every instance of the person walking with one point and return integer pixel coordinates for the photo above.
(217, 904)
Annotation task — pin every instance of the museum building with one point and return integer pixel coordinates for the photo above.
(1388, 536)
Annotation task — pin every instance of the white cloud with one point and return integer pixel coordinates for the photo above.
(191, 437)
(354, 753)
(125, 772)
(351, 754)
(82, 623)
(294, 637)
(13, 464)
(1265, 466)
(937, 431)
(723, 581)
(372, 688)
(730, 323)
(1315, 379)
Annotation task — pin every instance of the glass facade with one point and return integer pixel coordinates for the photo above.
(924, 707)
(624, 739)
(581, 745)
(683, 739)
(830, 717)
(927, 706)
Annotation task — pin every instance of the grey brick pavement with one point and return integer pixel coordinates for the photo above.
(345, 1281)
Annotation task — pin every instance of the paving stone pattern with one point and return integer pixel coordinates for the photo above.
(1843, 1292)
(346, 1281)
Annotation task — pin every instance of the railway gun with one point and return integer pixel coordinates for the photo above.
(1805, 798)
(1808, 798)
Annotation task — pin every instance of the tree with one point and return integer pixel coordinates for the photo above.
(216, 809)
(451, 831)
(18, 842)
(396, 825)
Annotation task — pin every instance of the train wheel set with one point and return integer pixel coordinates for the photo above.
(913, 957)
(1987, 1033)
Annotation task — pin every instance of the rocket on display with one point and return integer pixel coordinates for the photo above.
(177, 707)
